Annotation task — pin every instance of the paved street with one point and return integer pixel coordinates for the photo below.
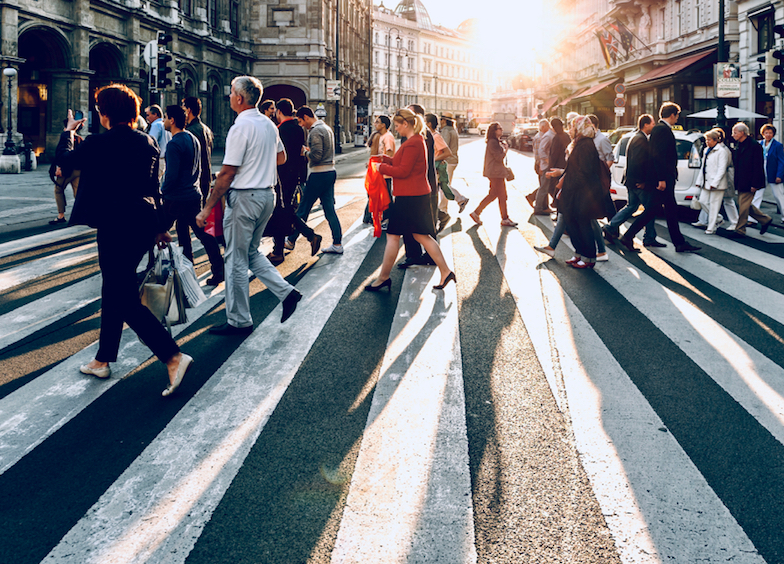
(530, 413)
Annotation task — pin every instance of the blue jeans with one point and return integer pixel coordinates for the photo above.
(637, 197)
(560, 227)
(320, 186)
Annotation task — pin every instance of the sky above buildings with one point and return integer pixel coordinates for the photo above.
(512, 33)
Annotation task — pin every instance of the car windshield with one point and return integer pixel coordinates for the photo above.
(622, 147)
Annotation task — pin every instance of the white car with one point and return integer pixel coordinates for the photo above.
(690, 146)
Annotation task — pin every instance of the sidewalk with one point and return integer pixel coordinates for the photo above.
(27, 199)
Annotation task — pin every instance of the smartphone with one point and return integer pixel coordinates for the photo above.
(78, 114)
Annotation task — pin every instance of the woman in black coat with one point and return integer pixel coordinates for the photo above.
(118, 193)
(582, 194)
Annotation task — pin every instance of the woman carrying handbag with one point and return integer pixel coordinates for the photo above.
(497, 172)
(119, 183)
(712, 178)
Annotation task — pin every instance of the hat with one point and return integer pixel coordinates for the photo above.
(448, 115)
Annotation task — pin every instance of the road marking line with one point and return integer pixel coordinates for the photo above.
(47, 265)
(157, 508)
(656, 503)
(410, 494)
(42, 240)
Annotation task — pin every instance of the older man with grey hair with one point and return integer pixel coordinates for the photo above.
(749, 161)
(542, 158)
(249, 173)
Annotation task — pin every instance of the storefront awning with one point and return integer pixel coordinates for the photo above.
(572, 97)
(548, 104)
(594, 89)
(670, 68)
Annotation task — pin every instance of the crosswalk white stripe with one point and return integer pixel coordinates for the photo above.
(23, 211)
(26, 320)
(157, 508)
(47, 265)
(751, 378)
(39, 408)
(747, 291)
(410, 493)
(656, 502)
(41, 240)
(732, 247)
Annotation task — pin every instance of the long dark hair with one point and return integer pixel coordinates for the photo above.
(491, 129)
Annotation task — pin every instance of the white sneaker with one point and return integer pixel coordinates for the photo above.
(731, 227)
(602, 258)
(289, 245)
(334, 249)
(698, 224)
(719, 221)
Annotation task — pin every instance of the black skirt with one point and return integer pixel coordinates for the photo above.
(411, 214)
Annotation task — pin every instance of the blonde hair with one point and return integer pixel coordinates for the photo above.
(715, 134)
(414, 120)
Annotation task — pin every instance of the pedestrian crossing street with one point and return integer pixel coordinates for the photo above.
(667, 371)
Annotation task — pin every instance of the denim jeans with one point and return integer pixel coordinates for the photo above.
(320, 186)
(637, 197)
(560, 227)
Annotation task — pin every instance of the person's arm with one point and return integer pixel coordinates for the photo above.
(281, 157)
(442, 154)
(405, 164)
(222, 185)
(389, 150)
(315, 147)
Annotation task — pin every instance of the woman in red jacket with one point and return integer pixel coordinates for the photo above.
(411, 211)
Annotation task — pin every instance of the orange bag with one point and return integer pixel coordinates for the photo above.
(378, 195)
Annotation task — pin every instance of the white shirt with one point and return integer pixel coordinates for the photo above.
(253, 144)
(159, 133)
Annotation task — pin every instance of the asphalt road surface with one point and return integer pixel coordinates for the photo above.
(530, 413)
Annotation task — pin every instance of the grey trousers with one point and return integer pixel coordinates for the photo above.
(247, 213)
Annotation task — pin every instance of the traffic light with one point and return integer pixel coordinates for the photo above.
(777, 57)
(177, 75)
(164, 62)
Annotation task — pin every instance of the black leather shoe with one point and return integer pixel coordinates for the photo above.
(215, 280)
(58, 221)
(385, 284)
(290, 304)
(407, 263)
(609, 235)
(686, 248)
(629, 244)
(654, 244)
(227, 329)
(425, 260)
(315, 244)
(764, 227)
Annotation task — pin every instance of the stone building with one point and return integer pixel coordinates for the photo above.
(417, 61)
(66, 49)
(659, 50)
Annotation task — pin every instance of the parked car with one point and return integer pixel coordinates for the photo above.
(690, 146)
(523, 138)
(615, 136)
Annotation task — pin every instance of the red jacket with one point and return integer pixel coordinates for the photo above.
(408, 168)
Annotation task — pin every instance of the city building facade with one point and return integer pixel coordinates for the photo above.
(65, 49)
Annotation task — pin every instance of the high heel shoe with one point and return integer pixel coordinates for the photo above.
(449, 278)
(385, 284)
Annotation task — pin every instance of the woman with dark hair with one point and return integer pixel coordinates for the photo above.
(495, 171)
(411, 213)
(582, 193)
(118, 195)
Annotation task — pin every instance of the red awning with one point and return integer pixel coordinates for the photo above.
(549, 104)
(572, 97)
(594, 89)
(670, 68)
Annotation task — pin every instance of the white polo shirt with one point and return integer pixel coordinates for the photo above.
(253, 144)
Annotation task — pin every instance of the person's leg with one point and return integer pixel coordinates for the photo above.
(390, 255)
(59, 199)
(238, 228)
(260, 205)
(744, 203)
(642, 220)
(582, 236)
(183, 232)
(309, 197)
(756, 201)
(730, 210)
(487, 200)
(778, 194)
(442, 202)
(625, 212)
(762, 218)
(434, 250)
(597, 235)
(413, 248)
(500, 191)
(671, 215)
(646, 199)
(714, 205)
(560, 227)
(541, 204)
(327, 197)
(211, 246)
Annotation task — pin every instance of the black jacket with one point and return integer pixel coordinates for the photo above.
(205, 138)
(664, 154)
(295, 169)
(119, 178)
(638, 163)
(583, 195)
(749, 161)
(557, 155)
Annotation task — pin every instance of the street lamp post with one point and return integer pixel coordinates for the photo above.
(338, 146)
(721, 118)
(10, 148)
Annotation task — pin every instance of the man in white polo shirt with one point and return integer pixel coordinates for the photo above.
(249, 172)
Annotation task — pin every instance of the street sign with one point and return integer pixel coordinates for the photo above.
(620, 111)
(150, 52)
(620, 88)
(620, 102)
(333, 90)
(728, 80)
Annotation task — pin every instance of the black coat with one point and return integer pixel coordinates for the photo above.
(638, 163)
(558, 150)
(119, 179)
(583, 194)
(664, 154)
(749, 162)
(295, 169)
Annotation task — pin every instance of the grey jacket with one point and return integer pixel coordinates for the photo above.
(452, 140)
(321, 141)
